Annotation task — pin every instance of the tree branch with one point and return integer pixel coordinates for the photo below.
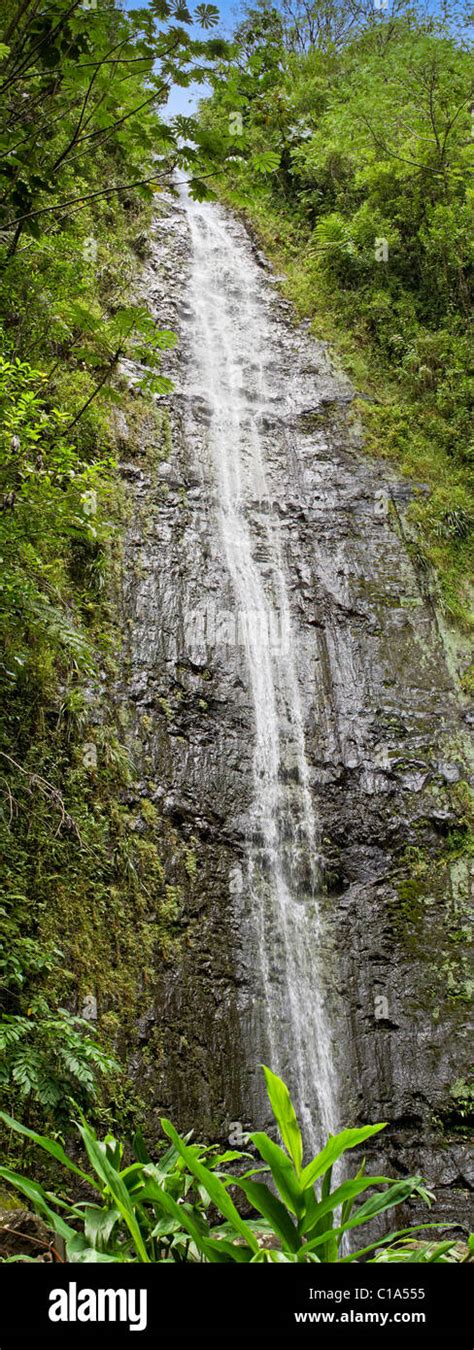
(113, 362)
(89, 196)
(9, 31)
(17, 73)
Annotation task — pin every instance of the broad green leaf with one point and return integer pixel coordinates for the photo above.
(395, 1194)
(79, 1252)
(207, 15)
(391, 1237)
(164, 1167)
(337, 1145)
(183, 1214)
(285, 1116)
(348, 1204)
(232, 1155)
(215, 1247)
(377, 1204)
(348, 1191)
(282, 1171)
(414, 1253)
(272, 1209)
(266, 161)
(139, 1148)
(99, 1224)
(270, 1256)
(216, 1191)
(35, 1193)
(112, 1179)
(165, 1227)
(50, 1146)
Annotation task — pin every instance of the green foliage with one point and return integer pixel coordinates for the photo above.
(463, 1098)
(363, 125)
(181, 1209)
(50, 495)
(80, 137)
(51, 1059)
(285, 1117)
(84, 148)
(81, 865)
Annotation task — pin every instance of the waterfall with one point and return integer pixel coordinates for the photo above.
(231, 374)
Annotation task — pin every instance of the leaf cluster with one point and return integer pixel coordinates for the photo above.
(166, 1211)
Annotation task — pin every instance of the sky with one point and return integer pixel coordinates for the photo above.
(186, 100)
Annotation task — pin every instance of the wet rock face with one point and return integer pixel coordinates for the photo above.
(385, 735)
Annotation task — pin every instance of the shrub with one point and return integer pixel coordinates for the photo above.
(181, 1207)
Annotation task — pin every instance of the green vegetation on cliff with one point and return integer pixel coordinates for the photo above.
(83, 148)
(348, 148)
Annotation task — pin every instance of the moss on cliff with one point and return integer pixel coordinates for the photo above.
(430, 911)
(83, 876)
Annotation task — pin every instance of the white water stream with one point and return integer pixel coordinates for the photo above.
(232, 339)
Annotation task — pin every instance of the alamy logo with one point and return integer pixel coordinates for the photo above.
(99, 1305)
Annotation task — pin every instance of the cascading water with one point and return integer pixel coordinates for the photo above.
(231, 372)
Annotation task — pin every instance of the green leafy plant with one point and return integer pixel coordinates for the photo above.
(50, 1058)
(150, 1211)
(84, 151)
(354, 173)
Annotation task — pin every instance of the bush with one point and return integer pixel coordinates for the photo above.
(166, 1211)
